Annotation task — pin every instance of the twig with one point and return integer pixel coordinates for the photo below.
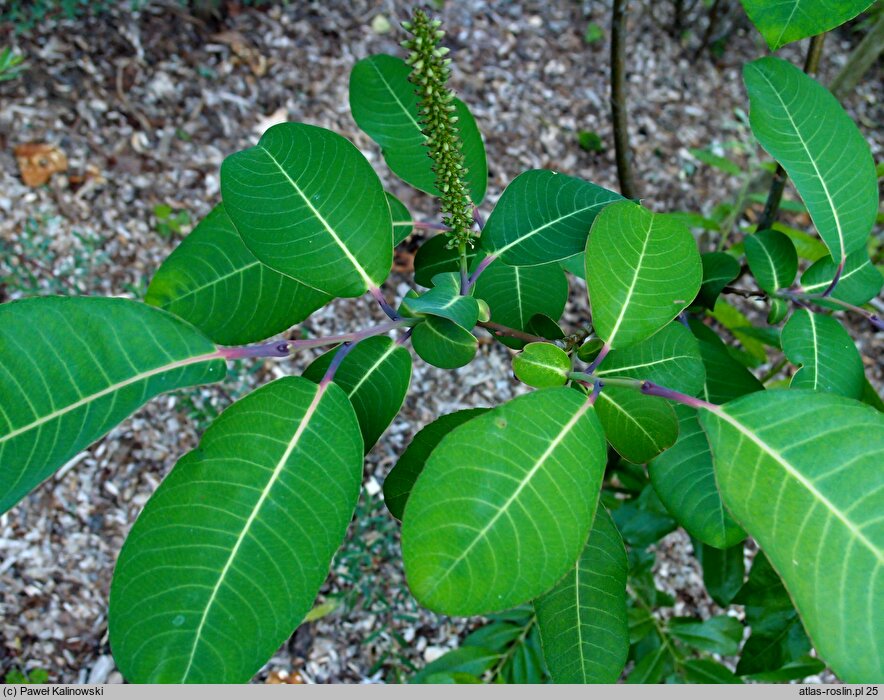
(384, 304)
(499, 330)
(618, 99)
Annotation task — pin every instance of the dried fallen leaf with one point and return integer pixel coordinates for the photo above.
(284, 677)
(39, 161)
(244, 51)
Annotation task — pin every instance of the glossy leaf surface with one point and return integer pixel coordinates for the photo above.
(583, 619)
(442, 343)
(831, 167)
(772, 259)
(791, 20)
(542, 365)
(801, 472)
(375, 376)
(542, 217)
(829, 360)
(642, 271)
(71, 368)
(229, 553)
(639, 427)
(860, 280)
(504, 504)
(384, 105)
(308, 204)
(214, 282)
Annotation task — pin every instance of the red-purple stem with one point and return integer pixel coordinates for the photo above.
(477, 217)
(428, 225)
(652, 389)
(278, 348)
(831, 287)
(336, 362)
(603, 353)
(384, 304)
(479, 270)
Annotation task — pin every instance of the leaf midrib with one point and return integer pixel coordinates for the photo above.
(85, 400)
(331, 232)
(277, 471)
(822, 182)
(563, 433)
(533, 232)
(631, 290)
(800, 478)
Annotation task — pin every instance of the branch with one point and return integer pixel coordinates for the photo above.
(862, 58)
(498, 330)
(618, 99)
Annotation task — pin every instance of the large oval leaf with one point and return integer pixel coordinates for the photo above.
(385, 106)
(71, 368)
(831, 165)
(214, 282)
(503, 506)
(583, 619)
(801, 471)
(543, 216)
(400, 480)
(375, 375)
(860, 280)
(829, 360)
(791, 20)
(670, 358)
(229, 553)
(642, 271)
(307, 203)
(516, 294)
(684, 479)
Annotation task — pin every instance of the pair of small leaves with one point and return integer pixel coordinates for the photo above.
(385, 106)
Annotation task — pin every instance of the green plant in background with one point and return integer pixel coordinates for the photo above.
(540, 513)
(170, 222)
(11, 64)
(33, 677)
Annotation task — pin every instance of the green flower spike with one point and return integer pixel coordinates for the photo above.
(430, 72)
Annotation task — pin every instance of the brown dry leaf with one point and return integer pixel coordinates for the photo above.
(38, 162)
(284, 678)
(244, 51)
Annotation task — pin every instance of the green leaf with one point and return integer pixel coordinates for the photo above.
(779, 309)
(777, 637)
(402, 220)
(670, 358)
(71, 368)
(831, 167)
(684, 479)
(719, 270)
(212, 281)
(504, 504)
(583, 619)
(639, 427)
(784, 22)
(642, 271)
(829, 360)
(772, 259)
(860, 280)
(442, 343)
(808, 247)
(726, 378)
(385, 107)
(542, 365)
(542, 217)
(400, 480)
(794, 670)
(735, 321)
(444, 300)
(801, 472)
(643, 521)
(708, 671)
(471, 660)
(650, 667)
(435, 257)
(308, 204)
(723, 570)
(870, 396)
(721, 634)
(517, 294)
(230, 551)
(720, 162)
(375, 376)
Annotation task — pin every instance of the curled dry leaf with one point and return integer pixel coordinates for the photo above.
(38, 162)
